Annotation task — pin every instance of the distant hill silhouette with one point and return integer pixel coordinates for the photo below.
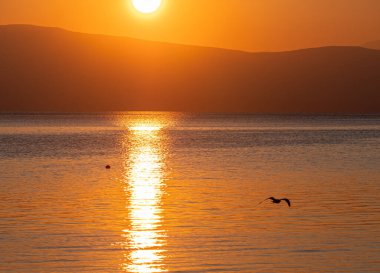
(49, 69)
(372, 45)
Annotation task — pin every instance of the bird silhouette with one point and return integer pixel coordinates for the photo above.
(277, 201)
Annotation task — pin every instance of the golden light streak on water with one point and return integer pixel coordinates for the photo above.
(144, 187)
(145, 128)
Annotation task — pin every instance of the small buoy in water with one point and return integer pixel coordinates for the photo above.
(108, 167)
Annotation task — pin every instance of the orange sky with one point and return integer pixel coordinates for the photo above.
(254, 25)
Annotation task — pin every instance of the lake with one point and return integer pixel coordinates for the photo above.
(183, 190)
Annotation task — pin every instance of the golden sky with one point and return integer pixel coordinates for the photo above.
(253, 25)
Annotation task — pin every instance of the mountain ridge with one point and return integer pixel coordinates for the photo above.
(372, 45)
(51, 69)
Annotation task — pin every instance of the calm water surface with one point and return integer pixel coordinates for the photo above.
(183, 190)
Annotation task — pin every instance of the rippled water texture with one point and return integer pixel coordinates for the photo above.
(182, 192)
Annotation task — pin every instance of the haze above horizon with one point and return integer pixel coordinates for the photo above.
(256, 25)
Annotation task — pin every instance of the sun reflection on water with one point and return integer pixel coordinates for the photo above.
(144, 187)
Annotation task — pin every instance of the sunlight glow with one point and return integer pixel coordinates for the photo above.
(146, 6)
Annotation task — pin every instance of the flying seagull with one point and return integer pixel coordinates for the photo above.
(277, 201)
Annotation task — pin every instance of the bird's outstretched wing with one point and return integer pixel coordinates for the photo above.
(262, 201)
(287, 201)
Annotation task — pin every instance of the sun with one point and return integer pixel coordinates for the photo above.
(146, 6)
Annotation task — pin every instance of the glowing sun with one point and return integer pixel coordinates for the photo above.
(147, 6)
